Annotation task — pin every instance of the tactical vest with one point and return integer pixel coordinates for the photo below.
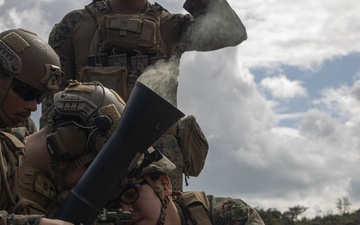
(123, 46)
(130, 34)
(127, 33)
(24, 190)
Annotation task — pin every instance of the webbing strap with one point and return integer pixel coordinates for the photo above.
(199, 215)
(4, 179)
(147, 34)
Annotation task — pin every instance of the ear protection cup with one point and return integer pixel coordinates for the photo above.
(67, 143)
(83, 118)
(103, 122)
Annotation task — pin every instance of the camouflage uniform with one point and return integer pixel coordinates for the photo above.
(29, 79)
(6, 218)
(25, 191)
(73, 36)
(221, 211)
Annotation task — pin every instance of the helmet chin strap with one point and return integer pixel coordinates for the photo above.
(163, 199)
(4, 119)
(58, 180)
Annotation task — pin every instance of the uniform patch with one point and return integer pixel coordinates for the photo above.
(16, 42)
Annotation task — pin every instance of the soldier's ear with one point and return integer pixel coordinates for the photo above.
(166, 183)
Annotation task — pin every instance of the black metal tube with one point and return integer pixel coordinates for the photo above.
(145, 118)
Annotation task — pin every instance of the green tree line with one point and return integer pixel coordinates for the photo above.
(293, 216)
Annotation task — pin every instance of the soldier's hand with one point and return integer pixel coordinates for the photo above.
(196, 7)
(45, 221)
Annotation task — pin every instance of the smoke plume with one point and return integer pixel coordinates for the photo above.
(161, 77)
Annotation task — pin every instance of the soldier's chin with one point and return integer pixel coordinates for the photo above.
(18, 120)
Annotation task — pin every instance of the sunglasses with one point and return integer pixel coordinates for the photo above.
(26, 92)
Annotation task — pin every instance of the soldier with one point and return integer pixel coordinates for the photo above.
(114, 41)
(11, 70)
(29, 68)
(150, 199)
(36, 178)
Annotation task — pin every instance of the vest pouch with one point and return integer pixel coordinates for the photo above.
(120, 31)
(129, 32)
(196, 207)
(193, 144)
(113, 77)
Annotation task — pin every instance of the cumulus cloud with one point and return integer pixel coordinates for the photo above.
(283, 32)
(312, 163)
(343, 102)
(282, 88)
(35, 15)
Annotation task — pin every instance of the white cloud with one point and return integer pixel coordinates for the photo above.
(282, 88)
(343, 102)
(35, 15)
(357, 76)
(267, 165)
(300, 33)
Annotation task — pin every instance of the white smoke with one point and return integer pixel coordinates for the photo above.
(161, 77)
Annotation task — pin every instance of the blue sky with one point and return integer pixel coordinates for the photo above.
(332, 73)
(280, 111)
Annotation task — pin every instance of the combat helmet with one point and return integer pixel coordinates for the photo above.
(82, 119)
(151, 165)
(26, 58)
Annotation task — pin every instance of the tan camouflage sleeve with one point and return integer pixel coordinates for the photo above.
(228, 211)
(11, 219)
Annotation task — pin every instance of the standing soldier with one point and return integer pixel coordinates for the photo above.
(115, 41)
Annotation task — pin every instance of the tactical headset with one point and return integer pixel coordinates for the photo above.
(83, 118)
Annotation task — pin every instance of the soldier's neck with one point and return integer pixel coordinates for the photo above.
(128, 6)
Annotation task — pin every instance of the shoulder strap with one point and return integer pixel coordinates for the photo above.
(98, 8)
(14, 140)
(196, 207)
(3, 175)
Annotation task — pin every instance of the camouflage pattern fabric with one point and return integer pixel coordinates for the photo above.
(228, 211)
(218, 211)
(11, 219)
(169, 146)
(22, 129)
(11, 190)
(29, 124)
